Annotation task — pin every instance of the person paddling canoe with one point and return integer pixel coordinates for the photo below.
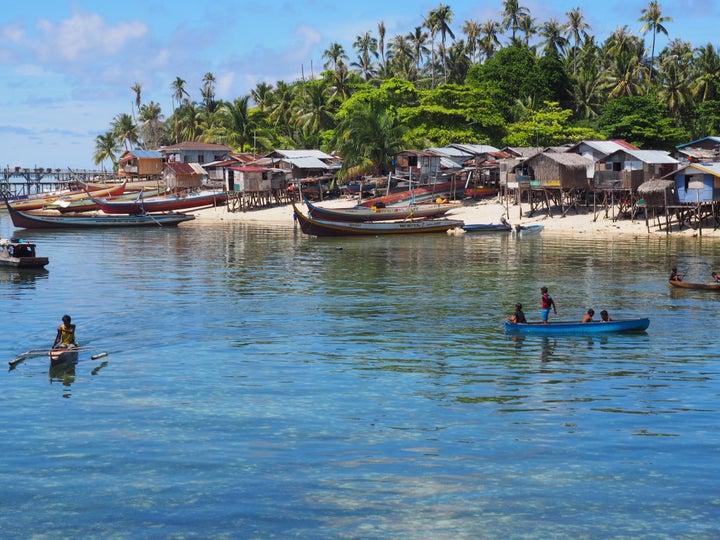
(65, 334)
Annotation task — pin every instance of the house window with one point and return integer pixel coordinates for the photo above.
(201, 158)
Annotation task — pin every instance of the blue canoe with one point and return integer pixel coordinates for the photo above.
(564, 327)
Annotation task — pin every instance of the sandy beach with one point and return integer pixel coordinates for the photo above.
(584, 221)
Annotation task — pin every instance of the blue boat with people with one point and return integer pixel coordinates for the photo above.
(574, 327)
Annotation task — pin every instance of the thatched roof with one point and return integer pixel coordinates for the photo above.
(655, 186)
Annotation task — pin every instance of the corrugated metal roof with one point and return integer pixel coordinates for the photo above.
(179, 167)
(713, 139)
(307, 162)
(317, 154)
(449, 151)
(476, 149)
(651, 156)
(709, 168)
(191, 145)
(198, 168)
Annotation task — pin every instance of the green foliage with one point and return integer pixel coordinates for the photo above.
(640, 120)
(548, 126)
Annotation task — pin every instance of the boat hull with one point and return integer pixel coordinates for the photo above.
(697, 286)
(418, 194)
(559, 328)
(39, 202)
(389, 213)
(20, 254)
(161, 203)
(315, 227)
(487, 227)
(27, 220)
(63, 356)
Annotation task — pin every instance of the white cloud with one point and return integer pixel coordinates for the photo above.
(84, 37)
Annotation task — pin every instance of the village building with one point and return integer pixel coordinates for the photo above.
(706, 149)
(141, 164)
(195, 152)
(183, 176)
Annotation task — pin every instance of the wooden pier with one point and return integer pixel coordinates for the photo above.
(19, 181)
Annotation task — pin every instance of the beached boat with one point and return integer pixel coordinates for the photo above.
(38, 220)
(365, 213)
(42, 200)
(316, 227)
(65, 206)
(567, 327)
(425, 193)
(525, 230)
(699, 286)
(162, 203)
(480, 191)
(503, 226)
(20, 254)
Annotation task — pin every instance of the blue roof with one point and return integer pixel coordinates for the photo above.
(714, 139)
(146, 153)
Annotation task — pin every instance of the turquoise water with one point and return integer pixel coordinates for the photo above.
(263, 384)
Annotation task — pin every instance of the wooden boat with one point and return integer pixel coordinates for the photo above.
(29, 220)
(316, 227)
(38, 202)
(20, 254)
(162, 203)
(63, 355)
(698, 286)
(415, 195)
(567, 327)
(365, 213)
(503, 226)
(480, 191)
(65, 206)
(524, 230)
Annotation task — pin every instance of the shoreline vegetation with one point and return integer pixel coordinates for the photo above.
(490, 211)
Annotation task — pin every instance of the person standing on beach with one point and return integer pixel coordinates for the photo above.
(546, 303)
(65, 334)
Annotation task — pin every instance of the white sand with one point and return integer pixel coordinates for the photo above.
(585, 221)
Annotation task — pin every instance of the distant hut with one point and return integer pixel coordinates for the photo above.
(178, 175)
(141, 163)
(557, 170)
(657, 194)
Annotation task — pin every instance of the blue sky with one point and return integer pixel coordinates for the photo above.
(67, 67)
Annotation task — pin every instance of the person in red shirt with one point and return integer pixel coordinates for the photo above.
(546, 303)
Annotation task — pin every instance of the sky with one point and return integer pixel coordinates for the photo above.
(67, 68)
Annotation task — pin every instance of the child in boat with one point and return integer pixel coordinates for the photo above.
(716, 277)
(65, 334)
(674, 276)
(546, 303)
(518, 317)
(589, 315)
(604, 317)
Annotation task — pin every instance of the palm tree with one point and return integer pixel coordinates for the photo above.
(179, 92)
(552, 31)
(238, 125)
(125, 130)
(458, 63)
(431, 23)
(653, 19)
(137, 89)
(367, 138)
(443, 18)
(381, 45)
(707, 73)
(471, 29)
(262, 95)
(489, 42)
(152, 128)
(577, 28)
(512, 13)
(335, 55)
(527, 26)
(106, 146)
(402, 58)
(366, 47)
(418, 39)
(315, 111)
(208, 89)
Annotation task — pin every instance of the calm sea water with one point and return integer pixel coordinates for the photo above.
(264, 384)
